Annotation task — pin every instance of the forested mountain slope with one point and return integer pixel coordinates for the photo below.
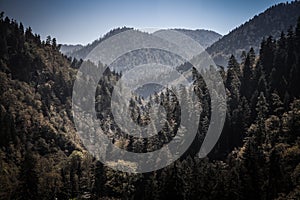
(272, 22)
(41, 155)
(205, 37)
(82, 52)
(67, 49)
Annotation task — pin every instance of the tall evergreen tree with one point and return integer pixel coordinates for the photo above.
(262, 112)
(267, 54)
(247, 78)
(29, 177)
(48, 40)
(233, 82)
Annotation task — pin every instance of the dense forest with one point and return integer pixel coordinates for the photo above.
(275, 19)
(42, 157)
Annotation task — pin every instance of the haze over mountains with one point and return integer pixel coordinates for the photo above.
(68, 48)
(81, 53)
(272, 22)
(204, 37)
(256, 157)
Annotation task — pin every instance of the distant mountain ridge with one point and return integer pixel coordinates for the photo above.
(203, 37)
(276, 19)
(42, 155)
(69, 48)
(85, 50)
(272, 22)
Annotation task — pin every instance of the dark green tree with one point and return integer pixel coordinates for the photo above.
(28, 177)
(48, 40)
(54, 44)
(100, 179)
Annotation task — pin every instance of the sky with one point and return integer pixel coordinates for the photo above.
(81, 22)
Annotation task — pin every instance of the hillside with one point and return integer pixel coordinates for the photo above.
(205, 37)
(81, 53)
(272, 22)
(42, 156)
(37, 135)
(68, 48)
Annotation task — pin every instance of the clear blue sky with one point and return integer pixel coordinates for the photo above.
(79, 21)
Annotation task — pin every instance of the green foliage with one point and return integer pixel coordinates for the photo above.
(250, 34)
(41, 156)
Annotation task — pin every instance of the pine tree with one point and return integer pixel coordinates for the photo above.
(262, 112)
(28, 34)
(247, 78)
(276, 105)
(29, 177)
(244, 118)
(253, 170)
(233, 64)
(297, 37)
(243, 57)
(152, 188)
(274, 174)
(260, 80)
(278, 74)
(291, 58)
(233, 82)
(54, 44)
(252, 56)
(48, 40)
(100, 179)
(267, 55)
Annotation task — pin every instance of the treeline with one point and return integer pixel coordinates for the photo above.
(37, 135)
(272, 21)
(258, 155)
(41, 156)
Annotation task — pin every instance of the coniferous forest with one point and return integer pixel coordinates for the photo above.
(42, 157)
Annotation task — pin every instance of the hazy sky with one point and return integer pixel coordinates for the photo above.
(79, 21)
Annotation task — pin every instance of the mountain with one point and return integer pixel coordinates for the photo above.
(36, 127)
(272, 22)
(81, 53)
(204, 37)
(42, 156)
(69, 48)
